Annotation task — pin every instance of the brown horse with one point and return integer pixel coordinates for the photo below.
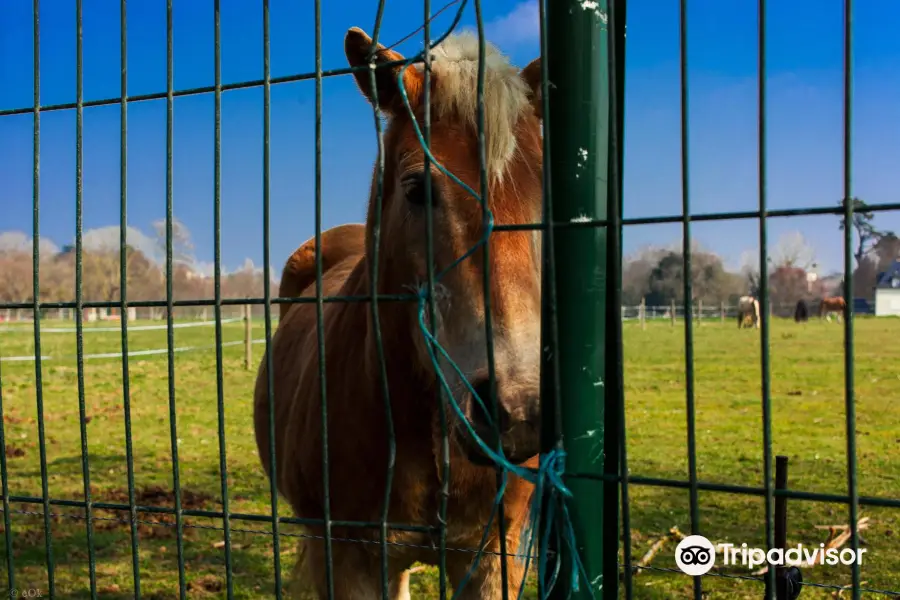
(357, 430)
(338, 243)
(833, 304)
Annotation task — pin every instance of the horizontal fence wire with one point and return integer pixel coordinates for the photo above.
(693, 484)
(189, 525)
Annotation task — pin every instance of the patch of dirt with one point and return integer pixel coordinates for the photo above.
(152, 525)
(206, 583)
(14, 452)
(25, 538)
(111, 589)
(156, 495)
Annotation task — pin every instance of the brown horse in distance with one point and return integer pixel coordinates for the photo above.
(357, 429)
(833, 304)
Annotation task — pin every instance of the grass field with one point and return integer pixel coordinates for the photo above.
(808, 426)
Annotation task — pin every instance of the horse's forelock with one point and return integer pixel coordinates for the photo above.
(506, 94)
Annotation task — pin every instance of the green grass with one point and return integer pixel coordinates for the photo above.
(808, 426)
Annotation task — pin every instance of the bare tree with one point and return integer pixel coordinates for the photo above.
(793, 250)
(750, 272)
(16, 277)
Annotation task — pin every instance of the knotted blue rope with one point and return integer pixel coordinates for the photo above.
(548, 478)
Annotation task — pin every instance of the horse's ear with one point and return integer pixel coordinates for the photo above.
(357, 46)
(532, 76)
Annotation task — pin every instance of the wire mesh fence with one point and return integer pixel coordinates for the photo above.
(563, 506)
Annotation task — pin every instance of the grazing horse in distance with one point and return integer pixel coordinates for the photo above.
(801, 311)
(357, 428)
(748, 310)
(833, 305)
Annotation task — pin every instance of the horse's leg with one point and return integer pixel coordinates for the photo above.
(399, 586)
(486, 582)
(356, 573)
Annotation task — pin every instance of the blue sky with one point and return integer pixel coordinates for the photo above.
(804, 131)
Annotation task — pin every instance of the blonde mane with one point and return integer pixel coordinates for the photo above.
(455, 66)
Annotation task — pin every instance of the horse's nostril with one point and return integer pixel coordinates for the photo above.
(482, 412)
(483, 389)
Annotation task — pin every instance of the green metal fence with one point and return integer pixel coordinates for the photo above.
(582, 229)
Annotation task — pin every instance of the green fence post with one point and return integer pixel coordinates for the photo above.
(577, 168)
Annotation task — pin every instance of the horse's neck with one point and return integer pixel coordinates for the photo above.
(395, 342)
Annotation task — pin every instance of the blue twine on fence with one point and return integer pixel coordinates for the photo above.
(552, 463)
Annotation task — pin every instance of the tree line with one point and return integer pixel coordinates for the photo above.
(101, 278)
(101, 275)
(653, 274)
(657, 275)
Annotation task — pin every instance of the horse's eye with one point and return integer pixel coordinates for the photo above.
(414, 189)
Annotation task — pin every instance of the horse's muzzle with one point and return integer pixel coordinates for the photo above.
(518, 423)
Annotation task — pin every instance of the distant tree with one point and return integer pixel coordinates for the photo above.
(792, 250)
(636, 272)
(791, 255)
(886, 250)
(710, 281)
(16, 277)
(787, 285)
(867, 235)
(864, 278)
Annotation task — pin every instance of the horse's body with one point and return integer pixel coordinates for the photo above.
(299, 273)
(357, 423)
(801, 311)
(748, 310)
(832, 305)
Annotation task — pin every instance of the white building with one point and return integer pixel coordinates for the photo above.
(887, 292)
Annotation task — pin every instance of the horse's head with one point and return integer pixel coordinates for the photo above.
(513, 158)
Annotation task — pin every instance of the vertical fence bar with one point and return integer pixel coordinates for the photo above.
(36, 294)
(375, 311)
(79, 292)
(688, 292)
(777, 580)
(248, 334)
(320, 307)
(217, 291)
(765, 305)
(432, 313)
(4, 482)
(484, 192)
(551, 406)
(616, 461)
(577, 65)
(123, 298)
(850, 404)
(170, 332)
(267, 295)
